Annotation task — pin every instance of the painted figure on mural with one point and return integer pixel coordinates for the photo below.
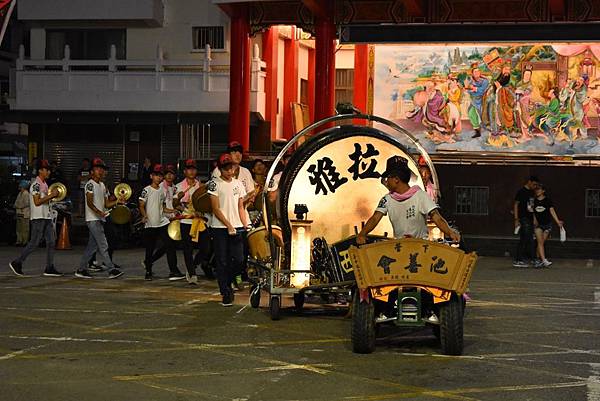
(476, 86)
(454, 95)
(552, 120)
(429, 108)
(575, 101)
(523, 104)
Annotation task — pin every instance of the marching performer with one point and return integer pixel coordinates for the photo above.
(96, 205)
(228, 221)
(152, 208)
(185, 189)
(236, 151)
(168, 187)
(41, 222)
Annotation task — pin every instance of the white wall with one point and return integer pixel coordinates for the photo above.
(175, 37)
(344, 58)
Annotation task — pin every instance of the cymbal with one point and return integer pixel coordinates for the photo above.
(120, 214)
(174, 230)
(123, 191)
(62, 191)
(201, 200)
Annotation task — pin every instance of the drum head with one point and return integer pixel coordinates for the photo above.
(120, 215)
(201, 200)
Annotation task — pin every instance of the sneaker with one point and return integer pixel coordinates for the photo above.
(227, 300)
(176, 276)
(148, 275)
(432, 318)
(520, 263)
(82, 273)
(546, 263)
(114, 273)
(52, 272)
(192, 280)
(95, 267)
(17, 268)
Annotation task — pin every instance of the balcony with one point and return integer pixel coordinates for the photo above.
(149, 12)
(157, 85)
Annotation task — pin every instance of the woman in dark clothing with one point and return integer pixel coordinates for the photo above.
(544, 213)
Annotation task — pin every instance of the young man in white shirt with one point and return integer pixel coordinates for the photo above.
(41, 222)
(407, 207)
(228, 222)
(152, 208)
(96, 205)
(185, 189)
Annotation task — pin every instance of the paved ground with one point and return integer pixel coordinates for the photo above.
(530, 335)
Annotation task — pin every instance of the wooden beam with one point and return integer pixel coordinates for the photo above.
(557, 9)
(318, 7)
(415, 8)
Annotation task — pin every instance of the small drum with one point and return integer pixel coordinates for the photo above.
(120, 215)
(174, 230)
(258, 242)
(201, 200)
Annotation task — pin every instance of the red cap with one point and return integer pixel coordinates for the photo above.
(170, 169)
(43, 163)
(98, 162)
(157, 169)
(224, 160)
(190, 163)
(235, 147)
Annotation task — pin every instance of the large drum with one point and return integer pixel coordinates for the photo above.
(258, 242)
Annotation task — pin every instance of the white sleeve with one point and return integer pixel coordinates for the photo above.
(426, 204)
(211, 188)
(216, 173)
(35, 188)
(144, 195)
(89, 188)
(382, 207)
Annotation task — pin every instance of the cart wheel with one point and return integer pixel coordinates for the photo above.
(451, 326)
(363, 325)
(299, 301)
(255, 296)
(275, 308)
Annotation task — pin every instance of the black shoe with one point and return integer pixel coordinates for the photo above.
(227, 300)
(17, 268)
(52, 272)
(148, 275)
(175, 276)
(477, 133)
(82, 273)
(95, 268)
(114, 273)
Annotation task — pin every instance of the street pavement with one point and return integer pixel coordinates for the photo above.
(529, 335)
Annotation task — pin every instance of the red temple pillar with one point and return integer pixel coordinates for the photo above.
(325, 64)
(361, 77)
(290, 83)
(239, 82)
(270, 54)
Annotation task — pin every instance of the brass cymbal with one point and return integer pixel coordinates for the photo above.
(123, 191)
(201, 200)
(120, 214)
(62, 191)
(174, 230)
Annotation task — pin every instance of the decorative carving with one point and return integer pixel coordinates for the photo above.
(579, 10)
(538, 10)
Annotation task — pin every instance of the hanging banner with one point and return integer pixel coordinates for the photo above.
(493, 97)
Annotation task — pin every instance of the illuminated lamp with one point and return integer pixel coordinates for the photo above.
(300, 253)
(435, 234)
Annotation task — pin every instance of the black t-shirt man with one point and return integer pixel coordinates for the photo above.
(525, 197)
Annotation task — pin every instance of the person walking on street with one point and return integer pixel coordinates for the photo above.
(229, 219)
(82, 178)
(96, 206)
(23, 213)
(152, 208)
(523, 214)
(544, 213)
(41, 222)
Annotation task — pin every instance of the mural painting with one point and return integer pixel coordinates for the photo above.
(542, 98)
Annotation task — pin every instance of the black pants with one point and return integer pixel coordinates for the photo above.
(525, 246)
(151, 234)
(189, 245)
(229, 255)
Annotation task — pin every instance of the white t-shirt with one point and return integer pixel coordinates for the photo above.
(187, 198)
(229, 194)
(39, 187)
(98, 189)
(245, 176)
(169, 191)
(408, 217)
(154, 201)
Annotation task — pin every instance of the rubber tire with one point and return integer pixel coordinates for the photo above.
(275, 308)
(254, 297)
(363, 326)
(299, 299)
(451, 326)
